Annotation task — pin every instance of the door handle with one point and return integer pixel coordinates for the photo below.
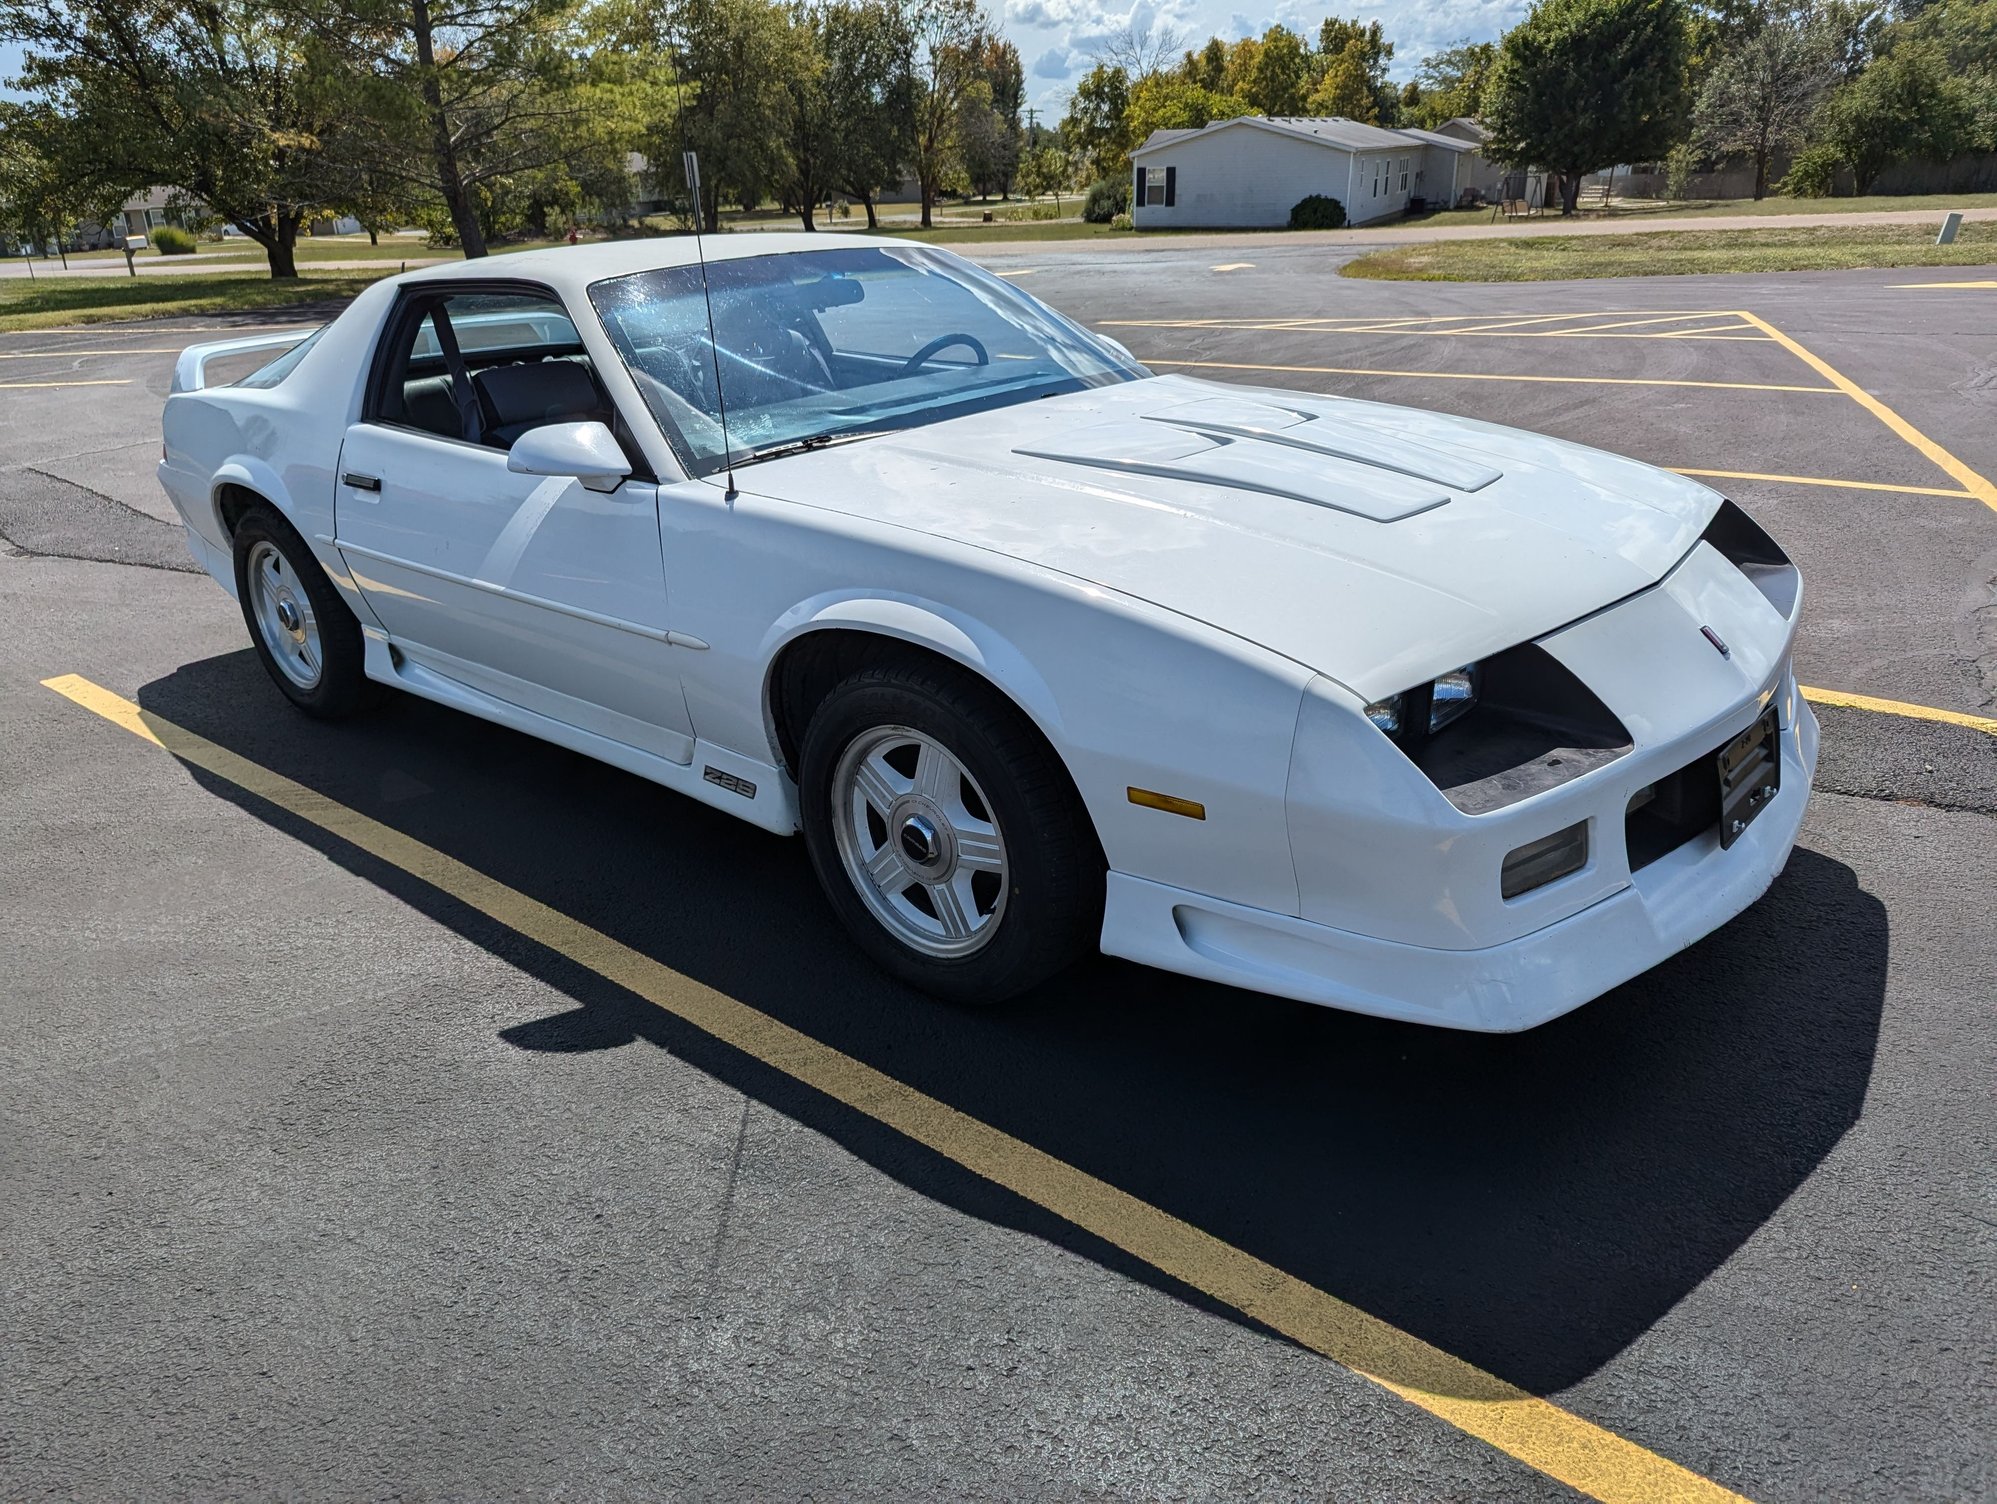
(362, 482)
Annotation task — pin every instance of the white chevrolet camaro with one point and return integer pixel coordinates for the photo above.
(1339, 701)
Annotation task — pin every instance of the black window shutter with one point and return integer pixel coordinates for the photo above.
(1171, 186)
(1138, 198)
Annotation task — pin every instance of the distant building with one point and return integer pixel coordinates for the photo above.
(1250, 172)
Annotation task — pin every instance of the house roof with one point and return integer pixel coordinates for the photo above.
(1323, 130)
(1436, 138)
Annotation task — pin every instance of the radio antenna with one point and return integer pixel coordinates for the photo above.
(690, 160)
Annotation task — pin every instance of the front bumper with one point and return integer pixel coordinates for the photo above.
(1666, 906)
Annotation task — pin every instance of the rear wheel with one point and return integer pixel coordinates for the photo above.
(946, 835)
(308, 640)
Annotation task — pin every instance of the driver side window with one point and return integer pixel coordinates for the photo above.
(486, 367)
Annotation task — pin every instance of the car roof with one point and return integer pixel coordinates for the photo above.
(571, 268)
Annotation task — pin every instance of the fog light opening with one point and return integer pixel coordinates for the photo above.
(1546, 860)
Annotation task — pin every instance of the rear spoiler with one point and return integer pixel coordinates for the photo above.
(190, 372)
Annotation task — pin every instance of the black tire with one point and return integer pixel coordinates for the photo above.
(342, 687)
(1053, 882)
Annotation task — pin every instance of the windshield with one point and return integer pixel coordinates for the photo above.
(819, 345)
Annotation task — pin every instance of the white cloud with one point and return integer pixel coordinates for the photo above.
(1064, 33)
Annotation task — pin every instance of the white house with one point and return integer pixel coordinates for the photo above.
(1252, 171)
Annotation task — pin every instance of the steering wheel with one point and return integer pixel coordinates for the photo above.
(921, 357)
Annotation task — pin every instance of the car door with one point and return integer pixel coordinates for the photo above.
(535, 590)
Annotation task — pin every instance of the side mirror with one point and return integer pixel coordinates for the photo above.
(587, 451)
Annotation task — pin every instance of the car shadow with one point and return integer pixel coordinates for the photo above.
(1532, 1203)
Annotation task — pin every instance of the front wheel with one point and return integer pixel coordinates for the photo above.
(307, 638)
(946, 835)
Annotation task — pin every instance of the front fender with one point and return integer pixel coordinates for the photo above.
(955, 634)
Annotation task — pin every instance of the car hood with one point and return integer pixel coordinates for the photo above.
(1377, 545)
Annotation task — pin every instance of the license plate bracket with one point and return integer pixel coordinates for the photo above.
(1750, 769)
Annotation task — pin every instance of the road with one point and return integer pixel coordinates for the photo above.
(335, 1168)
(1372, 237)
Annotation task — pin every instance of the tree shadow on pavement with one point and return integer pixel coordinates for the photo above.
(1532, 1203)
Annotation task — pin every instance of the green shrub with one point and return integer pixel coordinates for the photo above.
(1678, 168)
(1104, 201)
(171, 240)
(1318, 212)
(1814, 173)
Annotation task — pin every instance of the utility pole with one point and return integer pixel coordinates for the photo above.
(1032, 127)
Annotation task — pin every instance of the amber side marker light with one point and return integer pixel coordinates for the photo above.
(1172, 804)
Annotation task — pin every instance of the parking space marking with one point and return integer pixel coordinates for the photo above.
(1697, 325)
(1955, 469)
(1725, 386)
(1935, 286)
(1234, 266)
(1827, 480)
(1533, 1430)
(15, 386)
(59, 352)
(1851, 701)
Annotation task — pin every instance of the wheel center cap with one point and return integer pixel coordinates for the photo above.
(288, 617)
(919, 841)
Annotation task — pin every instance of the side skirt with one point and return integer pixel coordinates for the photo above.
(715, 776)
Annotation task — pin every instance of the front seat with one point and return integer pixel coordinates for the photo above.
(518, 398)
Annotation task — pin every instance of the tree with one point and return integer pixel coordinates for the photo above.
(1207, 67)
(1139, 48)
(734, 110)
(1279, 80)
(948, 34)
(1165, 102)
(1346, 90)
(1761, 96)
(1367, 44)
(1096, 127)
(817, 134)
(990, 133)
(213, 101)
(1585, 84)
(1452, 81)
(1044, 170)
(870, 80)
(1906, 104)
(452, 97)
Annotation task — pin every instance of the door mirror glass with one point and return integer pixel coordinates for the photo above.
(587, 451)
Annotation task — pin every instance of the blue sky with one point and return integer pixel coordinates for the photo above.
(1056, 37)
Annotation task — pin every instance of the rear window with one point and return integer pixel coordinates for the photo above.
(275, 371)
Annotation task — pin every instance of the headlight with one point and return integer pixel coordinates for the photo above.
(1386, 714)
(1451, 695)
(1426, 709)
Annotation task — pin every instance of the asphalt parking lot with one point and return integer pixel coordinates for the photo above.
(409, 1108)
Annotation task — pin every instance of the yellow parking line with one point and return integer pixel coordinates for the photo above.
(1826, 480)
(1901, 707)
(62, 353)
(1956, 470)
(15, 386)
(1234, 266)
(1537, 1432)
(1727, 386)
(1301, 326)
(1933, 286)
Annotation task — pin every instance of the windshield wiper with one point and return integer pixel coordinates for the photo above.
(806, 445)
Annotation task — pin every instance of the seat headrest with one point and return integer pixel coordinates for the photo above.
(547, 391)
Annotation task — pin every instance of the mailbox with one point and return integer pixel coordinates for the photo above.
(134, 243)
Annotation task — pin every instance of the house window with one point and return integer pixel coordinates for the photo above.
(1154, 186)
(1404, 174)
(1379, 163)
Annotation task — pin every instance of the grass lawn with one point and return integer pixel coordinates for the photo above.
(1666, 253)
(50, 301)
